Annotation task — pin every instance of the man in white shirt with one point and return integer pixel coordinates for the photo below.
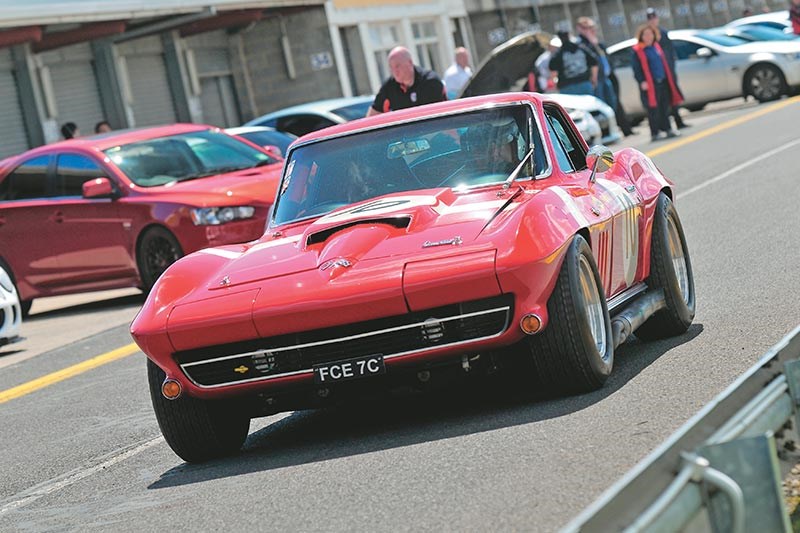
(457, 74)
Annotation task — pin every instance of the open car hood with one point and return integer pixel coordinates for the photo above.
(506, 67)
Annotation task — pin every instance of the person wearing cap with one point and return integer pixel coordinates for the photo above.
(666, 45)
(545, 81)
(575, 66)
(656, 85)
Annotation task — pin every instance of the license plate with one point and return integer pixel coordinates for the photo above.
(358, 367)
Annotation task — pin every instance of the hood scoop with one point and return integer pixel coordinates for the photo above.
(401, 222)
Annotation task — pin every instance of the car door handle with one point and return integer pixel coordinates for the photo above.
(57, 217)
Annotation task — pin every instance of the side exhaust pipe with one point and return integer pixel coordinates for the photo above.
(636, 314)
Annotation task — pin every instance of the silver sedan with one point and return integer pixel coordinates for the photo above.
(716, 67)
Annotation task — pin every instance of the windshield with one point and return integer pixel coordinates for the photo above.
(185, 156)
(722, 40)
(765, 33)
(280, 139)
(460, 151)
(353, 111)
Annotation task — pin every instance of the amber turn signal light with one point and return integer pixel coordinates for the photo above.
(531, 324)
(171, 389)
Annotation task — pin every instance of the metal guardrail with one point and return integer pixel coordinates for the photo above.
(722, 470)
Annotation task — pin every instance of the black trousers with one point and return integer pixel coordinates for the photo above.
(658, 116)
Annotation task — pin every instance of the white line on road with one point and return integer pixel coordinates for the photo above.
(737, 168)
(48, 487)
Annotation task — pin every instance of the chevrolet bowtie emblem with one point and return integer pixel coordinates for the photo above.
(339, 261)
(455, 241)
(241, 369)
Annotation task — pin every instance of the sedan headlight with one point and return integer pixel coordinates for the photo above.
(792, 56)
(577, 115)
(214, 216)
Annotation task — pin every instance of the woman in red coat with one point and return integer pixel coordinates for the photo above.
(656, 85)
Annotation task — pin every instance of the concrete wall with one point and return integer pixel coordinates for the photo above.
(272, 86)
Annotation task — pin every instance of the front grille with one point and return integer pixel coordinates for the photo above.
(283, 355)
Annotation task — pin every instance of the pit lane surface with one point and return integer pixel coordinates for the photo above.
(85, 453)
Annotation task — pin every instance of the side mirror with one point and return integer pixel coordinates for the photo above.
(273, 150)
(704, 53)
(98, 188)
(599, 159)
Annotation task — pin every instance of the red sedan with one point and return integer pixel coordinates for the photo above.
(114, 210)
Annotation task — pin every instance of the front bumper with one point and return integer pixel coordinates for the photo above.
(415, 336)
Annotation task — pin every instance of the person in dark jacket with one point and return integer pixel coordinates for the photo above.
(656, 85)
(575, 66)
(607, 88)
(669, 51)
(408, 86)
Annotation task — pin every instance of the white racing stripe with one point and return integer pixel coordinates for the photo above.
(738, 168)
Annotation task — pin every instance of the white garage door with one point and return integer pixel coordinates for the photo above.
(75, 86)
(13, 139)
(152, 100)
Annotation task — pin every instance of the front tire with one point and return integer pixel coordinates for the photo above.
(575, 353)
(196, 430)
(765, 82)
(157, 250)
(670, 271)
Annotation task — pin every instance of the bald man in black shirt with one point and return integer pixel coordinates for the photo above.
(408, 86)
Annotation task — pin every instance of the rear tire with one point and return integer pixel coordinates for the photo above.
(670, 271)
(575, 352)
(157, 250)
(196, 430)
(765, 82)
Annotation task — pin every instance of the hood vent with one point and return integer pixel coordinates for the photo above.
(325, 234)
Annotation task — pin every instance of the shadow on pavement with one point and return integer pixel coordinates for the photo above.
(311, 436)
(108, 304)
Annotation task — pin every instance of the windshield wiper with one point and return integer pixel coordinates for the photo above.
(514, 173)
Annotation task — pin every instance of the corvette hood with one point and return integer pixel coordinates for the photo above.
(396, 226)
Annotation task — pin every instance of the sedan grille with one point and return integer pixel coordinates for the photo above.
(284, 355)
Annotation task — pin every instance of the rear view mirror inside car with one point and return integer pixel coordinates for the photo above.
(399, 149)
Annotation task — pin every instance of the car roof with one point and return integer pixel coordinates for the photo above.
(103, 141)
(775, 16)
(239, 130)
(320, 107)
(420, 112)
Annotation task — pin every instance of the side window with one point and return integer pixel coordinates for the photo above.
(72, 170)
(621, 58)
(27, 181)
(302, 124)
(569, 151)
(685, 49)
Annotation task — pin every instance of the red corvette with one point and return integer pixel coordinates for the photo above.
(114, 210)
(463, 234)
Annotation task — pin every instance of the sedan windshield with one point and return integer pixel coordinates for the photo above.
(722, 40)
(183, 157)
(460, 151)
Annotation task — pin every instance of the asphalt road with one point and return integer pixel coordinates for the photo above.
(85, 453)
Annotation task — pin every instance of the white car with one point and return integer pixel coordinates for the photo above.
(312, 116)
(594, 118)
(10, 310)
(777, 19)
(714, 67)
(508, 67)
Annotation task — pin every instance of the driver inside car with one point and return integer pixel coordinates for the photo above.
(491, 149)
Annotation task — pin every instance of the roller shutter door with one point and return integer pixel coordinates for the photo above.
(13, 138)
(217, 90)
(152, 101)
(75, 87)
